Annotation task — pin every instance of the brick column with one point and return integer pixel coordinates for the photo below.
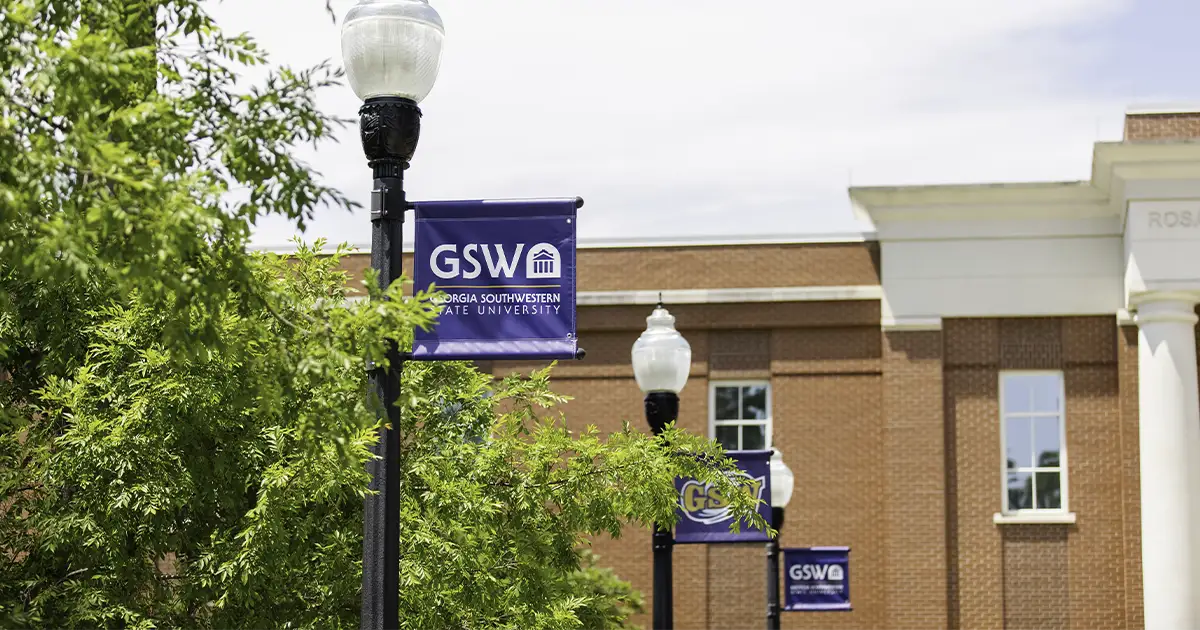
(1131, 512)
(915, 478)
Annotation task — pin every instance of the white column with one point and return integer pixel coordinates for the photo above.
(1170, 460)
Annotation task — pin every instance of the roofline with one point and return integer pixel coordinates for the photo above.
(969, 187)
(1150, 109)
(866, 200)
(865, 236)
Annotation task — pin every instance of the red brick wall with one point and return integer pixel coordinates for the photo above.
(813, 264)
(972, 484)
(739, 266)
(1130, 475)
(823, 361)
(1035, 593)
(830, 430)
(894, 440)
(736, 586)
(1038, 575)
(915, 482)
(1162, 127)
(1095, 543)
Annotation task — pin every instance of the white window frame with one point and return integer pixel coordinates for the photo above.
(1064, 507)
(768, 422)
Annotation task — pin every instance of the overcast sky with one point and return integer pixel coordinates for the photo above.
(698, 118)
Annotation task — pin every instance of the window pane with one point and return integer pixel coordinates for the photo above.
(1046, 441)
(1018, 393)
(1047, 393)
(1049, 490)
(1018, 447)
(754, 437)
(1020, 491)
(728, 437)
(726, 403)
(754, 402)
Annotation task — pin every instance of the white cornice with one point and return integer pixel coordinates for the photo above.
(972, 194)
(731, 296)
(1153, 157)
(985, 206)
(1117, 164)
(1050, 201)
(1151, 109)
(723, 296)
(910, 324)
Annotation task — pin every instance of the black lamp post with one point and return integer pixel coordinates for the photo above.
(392, 51)
(662, 359)
(782, 484)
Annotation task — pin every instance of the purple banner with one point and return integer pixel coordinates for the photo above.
(704, 515)
(507, 269)
(816, 578)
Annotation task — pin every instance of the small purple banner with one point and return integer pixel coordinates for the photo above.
(816, 578)
(507, 272)
(704, 515)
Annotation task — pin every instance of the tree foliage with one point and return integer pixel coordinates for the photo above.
(184, 425)
(148, 488)
(133, 159)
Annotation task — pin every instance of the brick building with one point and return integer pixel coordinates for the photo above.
(992, 399)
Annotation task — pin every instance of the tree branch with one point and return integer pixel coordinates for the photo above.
(560, 482)
(32, 112)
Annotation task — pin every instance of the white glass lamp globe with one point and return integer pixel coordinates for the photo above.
(392, 48)
(662, 358)
(782, 481)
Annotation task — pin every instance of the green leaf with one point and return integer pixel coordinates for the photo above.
(185, 425)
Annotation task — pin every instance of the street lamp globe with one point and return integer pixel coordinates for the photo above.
(661, 356)
(782, 481)
(392, 48)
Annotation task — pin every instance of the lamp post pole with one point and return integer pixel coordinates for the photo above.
(773, 571)
(662, 359)
(390, 128)
(662, 408)
(392, 53)
(782, 484)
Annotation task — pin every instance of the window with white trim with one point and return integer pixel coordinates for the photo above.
(740, 414)
(1033, 430)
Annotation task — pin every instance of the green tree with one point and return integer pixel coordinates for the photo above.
(184, 424)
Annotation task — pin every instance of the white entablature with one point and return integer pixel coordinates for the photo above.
(1041, 249)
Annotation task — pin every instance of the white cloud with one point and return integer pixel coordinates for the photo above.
(698, 117)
